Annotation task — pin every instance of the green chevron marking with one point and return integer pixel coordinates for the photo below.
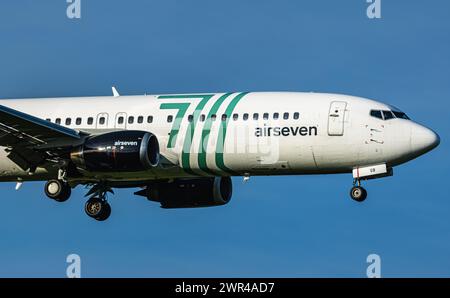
(185, 154)
(223, 133)
(206, 133)
(182, 108)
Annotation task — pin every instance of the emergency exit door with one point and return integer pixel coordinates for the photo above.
(336, 117)
(102, 121)
(121, 120)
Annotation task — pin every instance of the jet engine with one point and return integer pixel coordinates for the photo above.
(189, 193)
(123, 151)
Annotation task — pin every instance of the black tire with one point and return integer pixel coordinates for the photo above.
(57, 190)
(97, 208)
(358, 193)
(105, 213)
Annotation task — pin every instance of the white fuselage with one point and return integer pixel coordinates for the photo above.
(294, 133)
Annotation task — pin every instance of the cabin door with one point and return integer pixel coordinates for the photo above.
(336, 116)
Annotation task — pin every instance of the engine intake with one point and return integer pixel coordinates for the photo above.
(126, 151)
(189, 193)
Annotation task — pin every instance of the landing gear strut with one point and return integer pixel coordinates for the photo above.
(57, 190)
(97, 206)
(358, 193)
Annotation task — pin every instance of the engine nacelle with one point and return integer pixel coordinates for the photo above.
(189, 193)
(124, 151)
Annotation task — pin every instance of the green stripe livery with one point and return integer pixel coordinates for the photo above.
(187, 144)
(206, 132)
(223, 133)
(204, 98)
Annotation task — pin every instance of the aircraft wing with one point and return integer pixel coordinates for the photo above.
(31, 141)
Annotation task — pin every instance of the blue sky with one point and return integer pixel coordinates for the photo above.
(297, 226)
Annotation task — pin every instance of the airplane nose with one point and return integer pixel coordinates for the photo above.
(423, 139)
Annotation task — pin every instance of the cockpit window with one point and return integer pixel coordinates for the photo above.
(376, 114)
(400, 115)
(388, 115)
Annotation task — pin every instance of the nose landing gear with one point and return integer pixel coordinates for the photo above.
(358, 193)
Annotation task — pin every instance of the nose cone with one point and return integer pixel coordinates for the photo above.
(423, 139)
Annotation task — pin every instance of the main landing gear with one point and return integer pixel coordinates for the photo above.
(57, 190)
(358, 193)
(97, 206)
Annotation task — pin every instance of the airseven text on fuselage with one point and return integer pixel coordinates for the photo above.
(276, 131)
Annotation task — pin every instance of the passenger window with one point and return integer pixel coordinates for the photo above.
(276, 116)
(68, 121)
(149, 119)
(169, 118)
(245, 117)
(376, 114)
(140, 119)
(213, 117)
(48, 119)
(120, 120)
(296, 115)
(202, 117)
(102, 120)
(286, 116)
(255, 116)
(190, 118)
(388, 115)
(224, 117)
(266, 116)
(235, 117)
(78, 121)
(130, 120)
(58, 120)
(90, 120)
